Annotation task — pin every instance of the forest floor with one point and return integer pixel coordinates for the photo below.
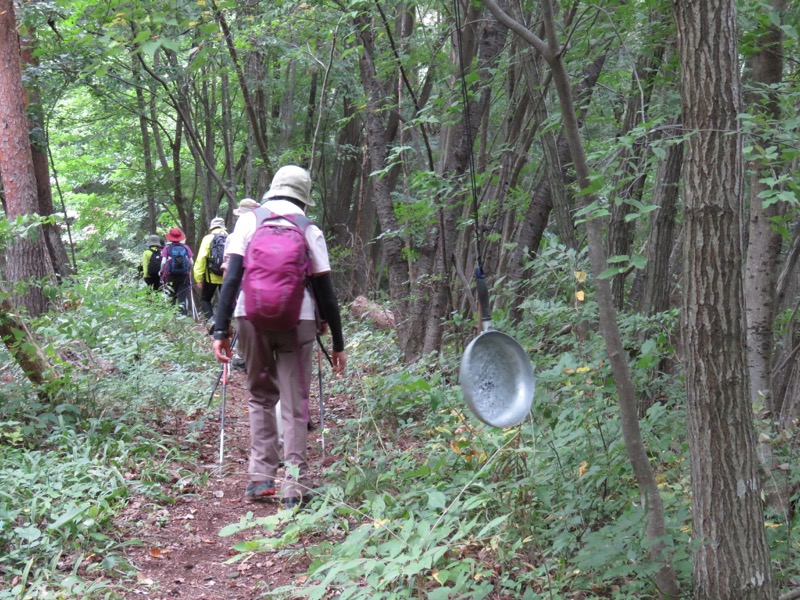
(178, 551)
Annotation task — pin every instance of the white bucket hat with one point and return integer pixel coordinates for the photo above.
(216, 222)
(246, 205)
(291, 181)
(154, 240)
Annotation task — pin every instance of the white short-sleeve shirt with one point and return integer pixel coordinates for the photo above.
(245, 228)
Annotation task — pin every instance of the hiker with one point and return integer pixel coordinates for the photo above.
(151, 262)
(208, 266)
(176, 266)
(278, 362)
(246, 205)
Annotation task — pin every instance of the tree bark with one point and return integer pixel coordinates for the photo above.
(20, 344)
(764, 241)
(28, 261)
(657, 276)
(731, 557)
(41, 168)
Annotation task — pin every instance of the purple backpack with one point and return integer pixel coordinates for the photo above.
(276, 265)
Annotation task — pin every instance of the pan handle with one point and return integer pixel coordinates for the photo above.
(483, 299)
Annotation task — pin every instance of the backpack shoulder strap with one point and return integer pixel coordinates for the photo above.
(299, 220)
(263, 214)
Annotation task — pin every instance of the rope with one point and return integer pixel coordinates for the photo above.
(468, 126)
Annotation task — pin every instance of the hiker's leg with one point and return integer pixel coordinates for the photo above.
(172, 289)
(261, 382)
(293, 355)
(183, 289)
(206, 294)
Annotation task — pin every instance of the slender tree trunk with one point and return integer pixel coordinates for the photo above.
(375, 138)
(657, 277)
(764, 241)
(655, 528)
(630, 176)
(259, 133)
(535, 220)
(731, 557)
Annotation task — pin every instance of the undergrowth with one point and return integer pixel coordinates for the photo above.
(103, 430)
(426, 501)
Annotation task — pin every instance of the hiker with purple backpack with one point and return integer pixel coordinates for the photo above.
(176, 266)
(273, 252)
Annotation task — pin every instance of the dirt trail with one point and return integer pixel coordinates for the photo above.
(181, 554)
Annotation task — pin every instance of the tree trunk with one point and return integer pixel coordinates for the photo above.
(534, 221)
(655, 529)
(657, 276)
(629, 177)
(375, 138)
(20, 344)
(764, 241)
(731, 557)
(41, 165)
(28, 259)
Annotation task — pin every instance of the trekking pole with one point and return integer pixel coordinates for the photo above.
(191, 296)
(321, 401)
(222, 412)
(219, 377)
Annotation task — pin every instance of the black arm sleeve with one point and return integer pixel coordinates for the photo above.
(322, 286)
(229, 293)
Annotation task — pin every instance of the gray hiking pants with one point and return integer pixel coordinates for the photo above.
(278, 367)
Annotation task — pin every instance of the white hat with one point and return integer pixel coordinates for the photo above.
(291, 181)
(246, 205)
(216, 222)
(154, 240)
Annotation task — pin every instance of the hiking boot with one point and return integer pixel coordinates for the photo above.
(238, 363)
(298, 501)
(259, 491)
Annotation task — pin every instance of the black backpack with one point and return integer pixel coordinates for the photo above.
(177, 259)
(154, 264)
(216, 253)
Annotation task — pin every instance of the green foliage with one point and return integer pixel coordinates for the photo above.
(427, 501)
(70, 459)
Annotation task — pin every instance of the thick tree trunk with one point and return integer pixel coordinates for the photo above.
(731, 557)
(41, 165)
(28, 259)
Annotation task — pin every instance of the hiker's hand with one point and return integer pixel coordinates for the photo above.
(322, 329)
(199, 285)
(339, 360)
(222, 350)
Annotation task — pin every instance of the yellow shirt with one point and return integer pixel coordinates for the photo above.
(201, 259)
(146, 258)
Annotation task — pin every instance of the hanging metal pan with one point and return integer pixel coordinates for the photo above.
(496, 374)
